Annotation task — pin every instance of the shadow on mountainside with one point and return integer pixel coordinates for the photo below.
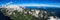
(2, 17)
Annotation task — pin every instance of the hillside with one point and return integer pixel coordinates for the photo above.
(27, 13)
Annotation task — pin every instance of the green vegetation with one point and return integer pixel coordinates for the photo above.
(25, 16)
(22, 16)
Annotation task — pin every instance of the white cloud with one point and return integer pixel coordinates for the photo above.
(9, 3)
(4, 5)
(44, 5)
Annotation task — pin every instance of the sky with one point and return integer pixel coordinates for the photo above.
(54, 3)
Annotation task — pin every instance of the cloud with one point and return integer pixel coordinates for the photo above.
(44, 5)
(4, 5)
(9, 3)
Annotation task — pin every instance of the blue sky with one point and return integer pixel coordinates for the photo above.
(32, 2)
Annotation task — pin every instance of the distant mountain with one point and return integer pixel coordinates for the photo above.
(56, 10)
(44, 8)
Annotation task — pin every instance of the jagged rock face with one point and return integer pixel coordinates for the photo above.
(15, 10)
(20, 9)
(12, 8)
